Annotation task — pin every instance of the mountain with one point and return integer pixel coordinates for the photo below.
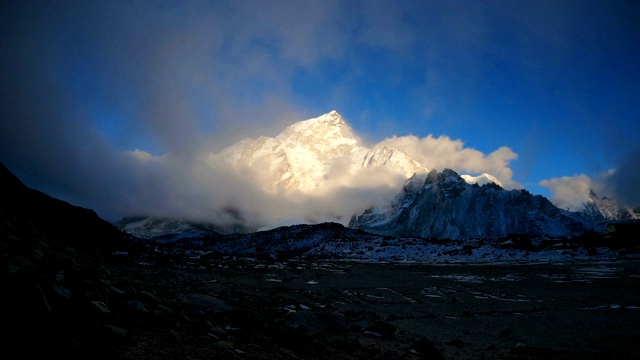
(53, 263)
(52, 217)
(313, 157)
(310, 154)
(444, 205)
(605, 209)
(166, 229)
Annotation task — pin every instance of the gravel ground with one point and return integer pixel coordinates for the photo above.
(577, 310)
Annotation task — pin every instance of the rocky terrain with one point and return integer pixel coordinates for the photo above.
(75, 287)
(144, 304)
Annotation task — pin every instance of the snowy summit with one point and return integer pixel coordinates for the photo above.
(314, 154)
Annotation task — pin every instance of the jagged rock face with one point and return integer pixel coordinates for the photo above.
(445, 206)
(304, 154)
(605, 209)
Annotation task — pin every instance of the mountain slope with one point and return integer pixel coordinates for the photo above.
(53, 259)
(51, 216)
(445, 206)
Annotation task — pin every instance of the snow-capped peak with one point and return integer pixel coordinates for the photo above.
(330, 128)
(481, 179)
(303, 155)
(605, 208)
(332, 117)
(448, 207)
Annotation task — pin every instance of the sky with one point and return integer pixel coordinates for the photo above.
(543, 94)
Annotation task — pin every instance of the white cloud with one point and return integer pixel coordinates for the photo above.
(201, 186)
(141, 155)
(569, 192)
(443, 152)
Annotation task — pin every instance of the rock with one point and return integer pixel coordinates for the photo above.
(425, 348)
(384, 329)
(62, 291)
(217, 331)
(117, 330)
(117, 291)
(206, 302)
(314, 323)
(21, 265)
(149, 297)
(520, 347)
(224, 345)
(290, 354)
(137, 306)
(101, 307)
(456, 343)
(506, 333)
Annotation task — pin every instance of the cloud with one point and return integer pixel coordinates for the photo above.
(84, 83)
(204, 186)
(443, 152)
(569, 192)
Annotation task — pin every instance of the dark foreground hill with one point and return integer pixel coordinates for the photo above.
(56, 218)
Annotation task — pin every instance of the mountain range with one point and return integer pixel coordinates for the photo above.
(599, 209)
(443, 205)
(322, 154)
(34, 211)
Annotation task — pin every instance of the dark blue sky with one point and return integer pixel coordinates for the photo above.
(555, 82)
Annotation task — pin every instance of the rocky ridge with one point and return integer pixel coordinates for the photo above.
(606, 209)
(443, 205)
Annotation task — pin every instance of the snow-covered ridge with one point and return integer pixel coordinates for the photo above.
(481, 179)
